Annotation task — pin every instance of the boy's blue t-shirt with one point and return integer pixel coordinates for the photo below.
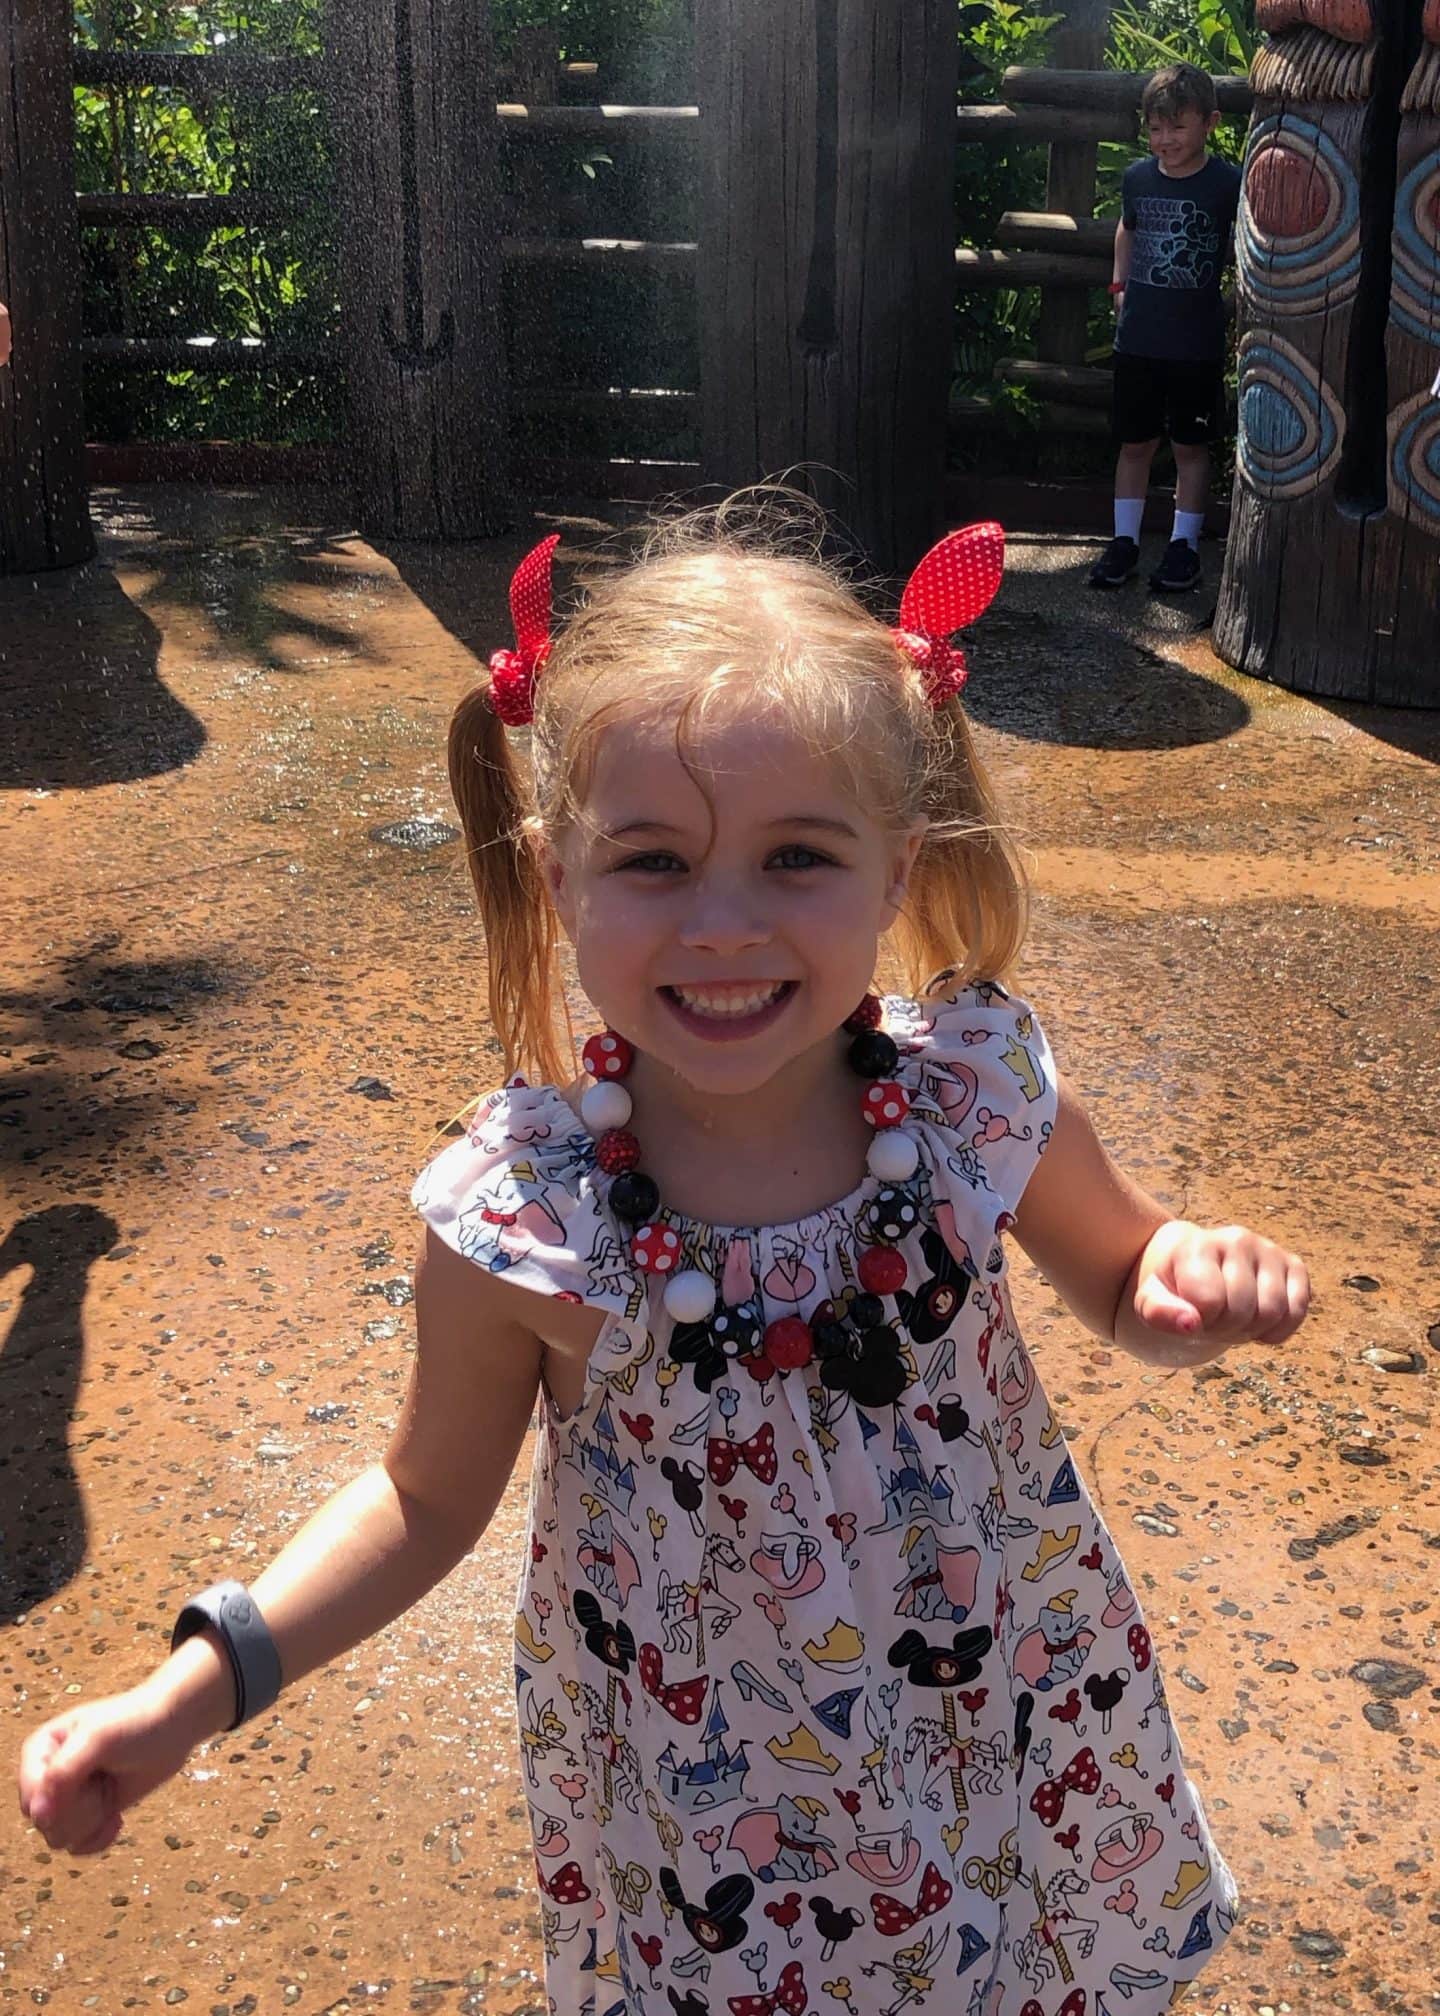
(1183, 226)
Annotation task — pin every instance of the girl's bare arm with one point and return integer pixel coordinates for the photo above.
(392, 1533)
(1169, 1292)
(371, 1551)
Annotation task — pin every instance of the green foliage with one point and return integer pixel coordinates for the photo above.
(273, 280)
(277, 279)
(1217, 35)
(994, 34)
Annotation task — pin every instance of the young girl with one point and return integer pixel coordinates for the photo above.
(835, 1694)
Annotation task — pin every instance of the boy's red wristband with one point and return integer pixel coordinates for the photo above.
(1116, 287)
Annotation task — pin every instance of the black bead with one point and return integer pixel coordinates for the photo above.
(831, 1339)
(737, 1332)
(866, 1311)
(635, 1197)
(893, 1214)
(881, 1341)
(879, 1382)
(874, 1055)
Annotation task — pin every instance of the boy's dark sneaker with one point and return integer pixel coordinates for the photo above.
(1116, 564)
(1180, 569)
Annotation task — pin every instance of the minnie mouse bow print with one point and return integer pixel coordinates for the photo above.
(513, 673)
(789, 1995)
(953, 585)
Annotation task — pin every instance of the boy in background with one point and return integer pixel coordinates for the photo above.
(1173, 240)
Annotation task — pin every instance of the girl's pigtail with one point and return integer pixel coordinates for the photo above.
(521, 928)
(968, 888)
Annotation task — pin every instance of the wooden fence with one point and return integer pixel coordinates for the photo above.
(1064, 252)
(647, 432)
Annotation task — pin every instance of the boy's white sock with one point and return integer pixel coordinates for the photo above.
(1128, 513)
(1188, 526)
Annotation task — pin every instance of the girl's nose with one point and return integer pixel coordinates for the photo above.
(721, 918)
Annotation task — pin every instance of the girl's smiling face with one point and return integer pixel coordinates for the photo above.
(725, 916)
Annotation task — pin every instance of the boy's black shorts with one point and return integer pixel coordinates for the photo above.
(1154, 396)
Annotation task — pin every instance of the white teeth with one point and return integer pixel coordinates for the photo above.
(700, 1002)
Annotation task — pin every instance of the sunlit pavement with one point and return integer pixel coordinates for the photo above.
(235, 1019)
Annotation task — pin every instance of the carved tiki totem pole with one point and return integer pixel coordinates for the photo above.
(1332, 575)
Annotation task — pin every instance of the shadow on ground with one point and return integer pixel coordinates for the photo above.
(42, 1516)
(1076, 684)
(85, 703)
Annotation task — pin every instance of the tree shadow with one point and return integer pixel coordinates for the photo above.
(85, 704)
(47, 1105)
(467, 588)
(231, 557)
(42, 1515)
(1085, 683)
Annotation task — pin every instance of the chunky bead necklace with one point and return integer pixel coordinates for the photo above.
(858, 1351)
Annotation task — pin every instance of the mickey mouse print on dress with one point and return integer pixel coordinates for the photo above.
(842, 1696)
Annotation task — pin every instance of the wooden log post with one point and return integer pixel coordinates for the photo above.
(1332, 575)
(44, 505)
(412, 96)
(1062, 329)
(827, 243)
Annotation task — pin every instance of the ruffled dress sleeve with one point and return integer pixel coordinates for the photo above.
(981, 1081)
(517, 1196)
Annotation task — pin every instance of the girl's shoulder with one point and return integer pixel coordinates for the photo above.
(980, 1077)
(516, 1195)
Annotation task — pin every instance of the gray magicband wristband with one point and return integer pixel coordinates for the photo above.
(232, 1613)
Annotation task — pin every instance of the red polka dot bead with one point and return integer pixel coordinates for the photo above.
(789, 1343)
(617, 1151)
(607, 1056)
(869, 1015)
(656, 1249)
(882, 1270)
(885, 1104)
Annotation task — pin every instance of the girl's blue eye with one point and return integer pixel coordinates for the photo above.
(657, 863)
(796, 857)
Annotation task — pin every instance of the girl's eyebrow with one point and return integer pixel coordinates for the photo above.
(815, 821)
(632, 826)
(818, 822)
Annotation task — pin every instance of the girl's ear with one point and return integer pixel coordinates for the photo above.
(557, 883)
(902, 866)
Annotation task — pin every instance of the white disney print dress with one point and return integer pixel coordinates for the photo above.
(832, 1701)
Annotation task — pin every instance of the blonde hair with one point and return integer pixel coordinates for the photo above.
(732, 603)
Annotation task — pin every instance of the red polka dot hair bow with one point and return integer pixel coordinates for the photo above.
(954, 583)
(513, 673)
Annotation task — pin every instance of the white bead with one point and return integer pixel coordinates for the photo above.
(893, 1156)
(690, 1296)
(604, 1106)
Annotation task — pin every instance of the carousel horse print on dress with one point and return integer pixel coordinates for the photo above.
(983, 1763)
(1056, 1937)
(691, 1611)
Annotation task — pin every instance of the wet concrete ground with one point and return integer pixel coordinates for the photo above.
(233, 1022)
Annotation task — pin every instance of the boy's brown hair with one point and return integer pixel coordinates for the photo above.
(1179, 87)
